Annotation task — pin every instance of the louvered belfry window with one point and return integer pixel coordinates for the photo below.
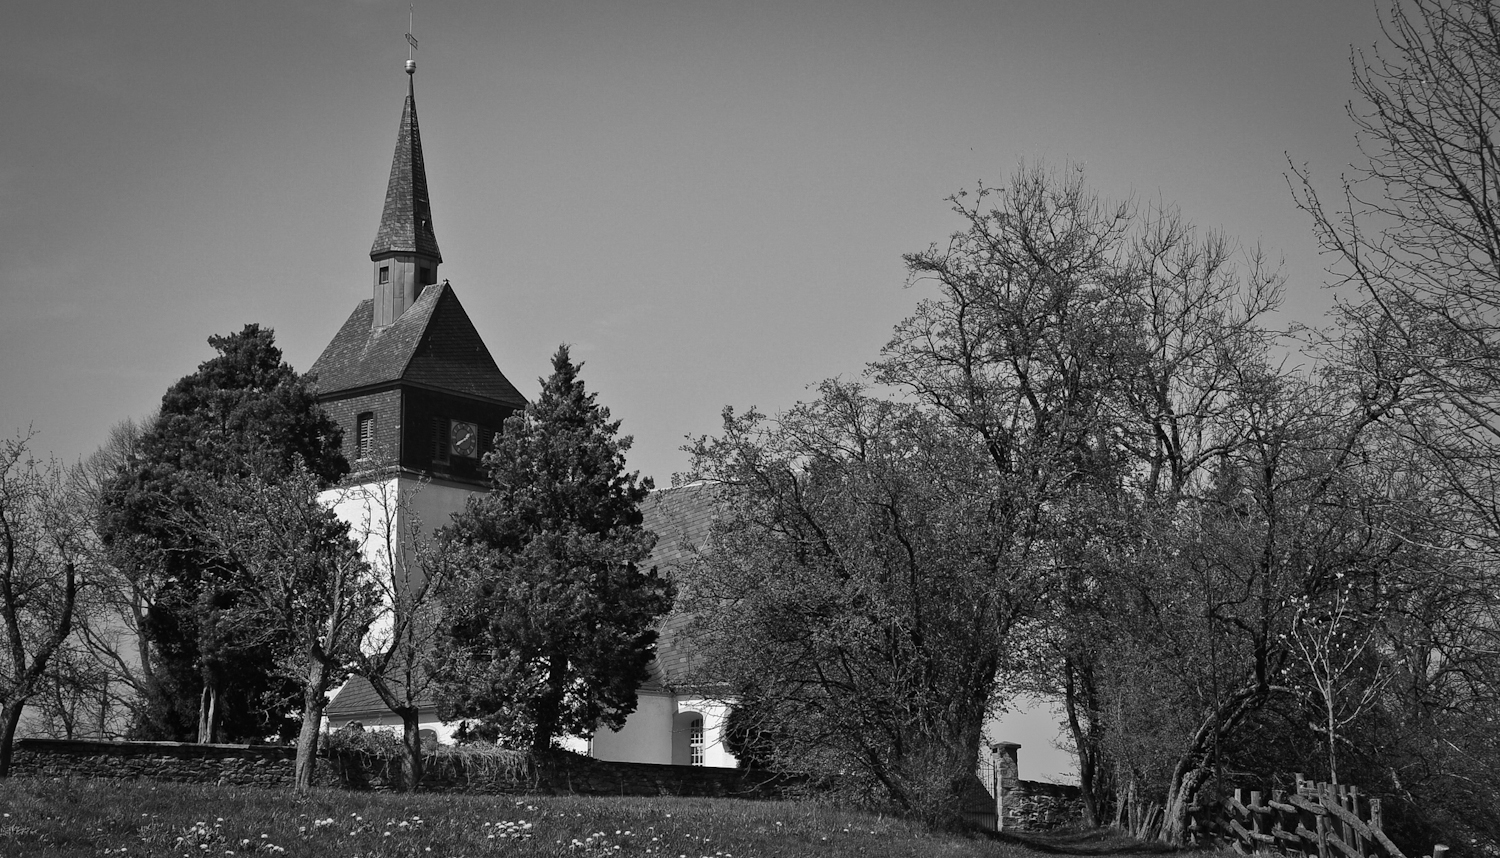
(440, 439)
(364, 438)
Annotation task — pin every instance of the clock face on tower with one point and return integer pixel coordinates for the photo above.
(464, 438)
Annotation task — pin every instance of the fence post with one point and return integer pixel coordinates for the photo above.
(1359, 842)
(1252, 821)
(1322, 824)
(996, 792)
(1278, 796)
(1335, 798)
(1307, 821)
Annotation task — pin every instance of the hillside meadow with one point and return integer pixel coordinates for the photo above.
(52, 818)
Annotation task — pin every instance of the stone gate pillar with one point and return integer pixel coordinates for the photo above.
(1008, 777)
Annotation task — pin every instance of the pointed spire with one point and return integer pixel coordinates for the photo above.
(405, 252)
(406, 221)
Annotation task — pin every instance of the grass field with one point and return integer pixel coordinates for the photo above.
(47, 818)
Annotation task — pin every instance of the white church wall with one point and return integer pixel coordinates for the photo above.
(434, 504)
(646, 736)
(714, 714)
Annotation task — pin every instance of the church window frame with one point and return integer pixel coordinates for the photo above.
(385, 274)
(364, 435)
(440, 440)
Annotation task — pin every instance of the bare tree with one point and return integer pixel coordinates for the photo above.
(103, 671)
(1336, 642)
(1102, 356)
(297, 577)
(42, 552)
(859, 593)
(409, 570)
(1415, 237)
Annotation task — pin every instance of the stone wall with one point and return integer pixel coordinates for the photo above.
(566, 774)
(1040, 806)
(1027, 805)
(271, 766)
(239, 765)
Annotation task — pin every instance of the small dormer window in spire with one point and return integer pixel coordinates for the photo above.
(385, 274)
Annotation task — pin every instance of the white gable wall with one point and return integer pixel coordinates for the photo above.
(646, 736)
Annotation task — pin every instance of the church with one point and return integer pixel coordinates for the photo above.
(420, 399)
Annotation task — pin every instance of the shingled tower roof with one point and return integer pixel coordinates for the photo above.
(406, 221)
(433, 344)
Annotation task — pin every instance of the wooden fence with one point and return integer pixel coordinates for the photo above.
(1319, 819)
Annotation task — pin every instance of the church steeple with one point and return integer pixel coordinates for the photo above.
(405, 251)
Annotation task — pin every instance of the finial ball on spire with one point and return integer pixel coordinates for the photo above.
(411, 66)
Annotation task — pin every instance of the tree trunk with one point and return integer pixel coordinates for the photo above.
(1192, 769)
(1333, 767)
(410, 774)
(549, 707)
(411, 740)
(313, 696)
(10, 716)
(208, 714)
(1079, 694)
(1180, 798)
(307, 747)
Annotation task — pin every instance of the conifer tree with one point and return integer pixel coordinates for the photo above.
(550, 626)
(244, 413)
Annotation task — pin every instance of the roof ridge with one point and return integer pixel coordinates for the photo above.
(431, 309)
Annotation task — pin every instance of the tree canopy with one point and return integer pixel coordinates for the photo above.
(550, 626)
(244, 412)
(860, 593)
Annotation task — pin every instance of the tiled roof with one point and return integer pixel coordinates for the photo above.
(680, 518)
(406, 220)
(357, 699)
(433, 343)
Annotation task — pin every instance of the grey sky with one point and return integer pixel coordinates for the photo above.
(709, 200)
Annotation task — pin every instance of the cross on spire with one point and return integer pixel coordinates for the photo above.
(411, 41)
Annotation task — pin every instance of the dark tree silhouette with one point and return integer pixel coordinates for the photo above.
(549, 628)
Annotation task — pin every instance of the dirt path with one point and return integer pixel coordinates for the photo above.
(1103, 842)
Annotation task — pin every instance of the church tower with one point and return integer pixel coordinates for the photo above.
(407, 376)
(421, 401)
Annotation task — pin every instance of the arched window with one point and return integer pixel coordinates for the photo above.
(695, 742)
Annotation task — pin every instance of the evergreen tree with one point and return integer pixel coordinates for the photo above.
(550, 626)
(243, 413)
